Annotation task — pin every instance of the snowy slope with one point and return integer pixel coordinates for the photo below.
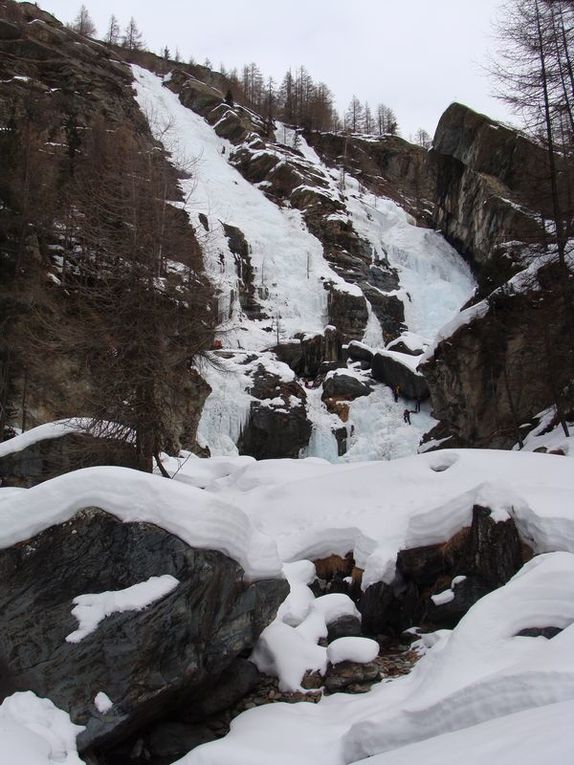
(480, 678)
(291, 271)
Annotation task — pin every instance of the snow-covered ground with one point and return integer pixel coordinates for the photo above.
(290, 271)
(480, 678)
(374, 509)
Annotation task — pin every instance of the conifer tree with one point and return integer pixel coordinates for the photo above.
(132, 39)
(83, 24)
(113, 33)
(354, 116)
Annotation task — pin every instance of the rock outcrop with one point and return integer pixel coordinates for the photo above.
(145, 661)
(475, 561)
(486, 175)
(307, 354)
(388, 367)
(277, 425)
(492, 376)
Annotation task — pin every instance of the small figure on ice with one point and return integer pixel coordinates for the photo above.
(407, 416)
(397, 392)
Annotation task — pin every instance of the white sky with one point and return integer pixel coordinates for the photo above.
(416, 56)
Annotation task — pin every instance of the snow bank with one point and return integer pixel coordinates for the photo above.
(548, 436)
(196, 517)
(375, 509)
(35, 732)
(288, 648)
(483, 670)
(543, 734)
(51, 430)
(481, 677)
(93, 608)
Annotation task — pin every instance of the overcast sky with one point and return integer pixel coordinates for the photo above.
(416, 56)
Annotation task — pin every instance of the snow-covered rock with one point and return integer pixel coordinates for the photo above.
(140, 603)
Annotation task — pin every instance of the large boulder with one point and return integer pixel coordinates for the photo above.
(458, 572)
(390, 368)
(345, 385)
(277, 425)
(348, 312)
(307, 354)
(144, 661)
(489, 178)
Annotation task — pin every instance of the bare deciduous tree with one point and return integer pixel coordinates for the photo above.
(113, 33)
(136, 312)
(83, 24)
(132, 39)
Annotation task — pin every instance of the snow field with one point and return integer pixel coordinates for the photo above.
(310, 508)
(375, 509)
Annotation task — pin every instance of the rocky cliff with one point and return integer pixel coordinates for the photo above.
(60, 93)
(337, 239)
(493, 374)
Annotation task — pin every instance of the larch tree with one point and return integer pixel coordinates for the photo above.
(132, 39)
(354, 116)
(83, 24)
(534, 74)
(423, 138)
(137, 309)
(386, 121)
(113, 34)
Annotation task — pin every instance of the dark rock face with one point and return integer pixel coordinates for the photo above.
(344, 626)
(390, 166)
(466, 594)
(55, 456)
(239, 246)
(278, 425)
(391, 371)
(345, 387)
(146, 661)
(307, 354)
(499, 371)
(235, 683)
(348, 312)
(487, 554)
(485, 185)
(388, 309)
(359, 352)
